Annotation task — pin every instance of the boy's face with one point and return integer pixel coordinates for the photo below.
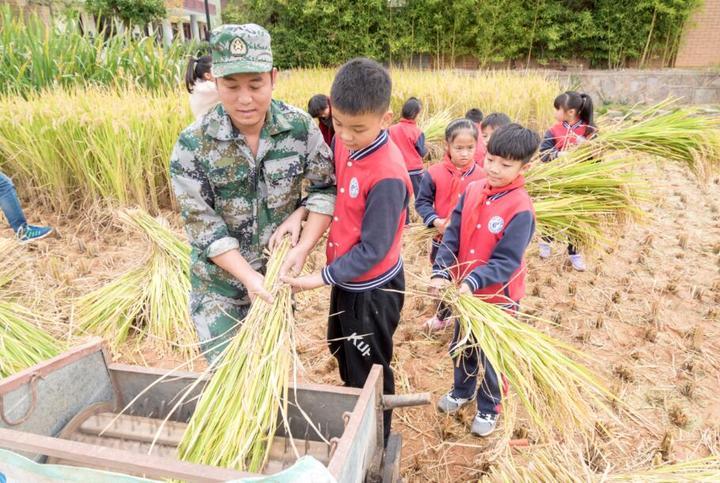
(358, 131)
(486, 133)
(501, 171)
(246, 97)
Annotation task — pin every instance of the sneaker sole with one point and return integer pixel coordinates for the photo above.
(483, 435)
(25, 242)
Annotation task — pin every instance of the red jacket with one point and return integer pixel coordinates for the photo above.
(450, 183)
(566, 135)
(357, 173)
(407, 136)
(486, 212)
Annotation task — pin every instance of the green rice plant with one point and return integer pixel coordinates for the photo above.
(236, 418)
(578, 199)
(667, 132)
(22, 343)
(150, 299)
(38, 57)
(75, 148)
(558, 393)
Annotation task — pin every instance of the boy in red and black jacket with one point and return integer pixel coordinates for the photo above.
(408, 137)
(364, 266)
(483, 250)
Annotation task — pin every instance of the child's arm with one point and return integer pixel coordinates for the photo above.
(507, 255)
(447, 252)
(425, 201)
(547, 147)
(420, 145)
(378, 229)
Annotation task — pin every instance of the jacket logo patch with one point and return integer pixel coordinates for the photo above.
(496, 224)
(354, 188)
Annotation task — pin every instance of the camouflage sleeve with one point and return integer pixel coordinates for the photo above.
(205, 229)
(320, 173)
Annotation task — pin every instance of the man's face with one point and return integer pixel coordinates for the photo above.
(358, 131)
(501, 171)
(246, 97)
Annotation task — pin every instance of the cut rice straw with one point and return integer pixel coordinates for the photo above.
(235, 420)
(558, 393)
(22, 343)
(151, 298)
(667, 132)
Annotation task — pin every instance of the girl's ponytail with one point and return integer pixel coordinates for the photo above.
(585, 113)
(196, 69)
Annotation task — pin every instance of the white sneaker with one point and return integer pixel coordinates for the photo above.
(450, 405)
(578, 262)
(545, 250)
(484, 424)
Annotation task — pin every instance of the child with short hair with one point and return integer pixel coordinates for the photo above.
(200, 83)
(574, 126)
(442, 185)
(319, 108)
(364, 263)
(476, 116)
(483, 250)
(408, 137)
(491, 123)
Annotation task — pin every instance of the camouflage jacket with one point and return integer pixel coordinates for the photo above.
(230, 199)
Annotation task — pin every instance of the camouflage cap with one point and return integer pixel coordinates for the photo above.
(240, 49)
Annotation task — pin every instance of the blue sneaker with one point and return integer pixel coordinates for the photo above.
(30, 233)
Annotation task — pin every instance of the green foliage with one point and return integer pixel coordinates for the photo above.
(36, 57)
(603, 33)
(131, 12)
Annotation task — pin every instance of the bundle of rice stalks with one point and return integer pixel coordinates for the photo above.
(578, 198)
(10, 266)
(433, 126)
(553, 464)
(236, 417)
(151, 298)
(558, 393)
(22, 343)
(703, 469)
(678, 134)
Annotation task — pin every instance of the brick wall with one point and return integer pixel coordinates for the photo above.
(700, 46)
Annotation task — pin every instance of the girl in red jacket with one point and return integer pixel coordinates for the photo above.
(442, 186)
(574, 126)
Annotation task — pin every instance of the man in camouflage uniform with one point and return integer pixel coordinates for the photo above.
(239, 174)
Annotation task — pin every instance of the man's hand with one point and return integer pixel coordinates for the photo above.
(465, 289)
(291, 226)
(254, 284)
(294, 262)
(440, 224)
(308, 282)
(437, 285)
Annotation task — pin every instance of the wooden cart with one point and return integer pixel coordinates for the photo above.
(66, 410)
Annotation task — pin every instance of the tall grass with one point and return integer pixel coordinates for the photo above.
(527, 97)
(35, 57)
(95, 145)
(22, 342)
